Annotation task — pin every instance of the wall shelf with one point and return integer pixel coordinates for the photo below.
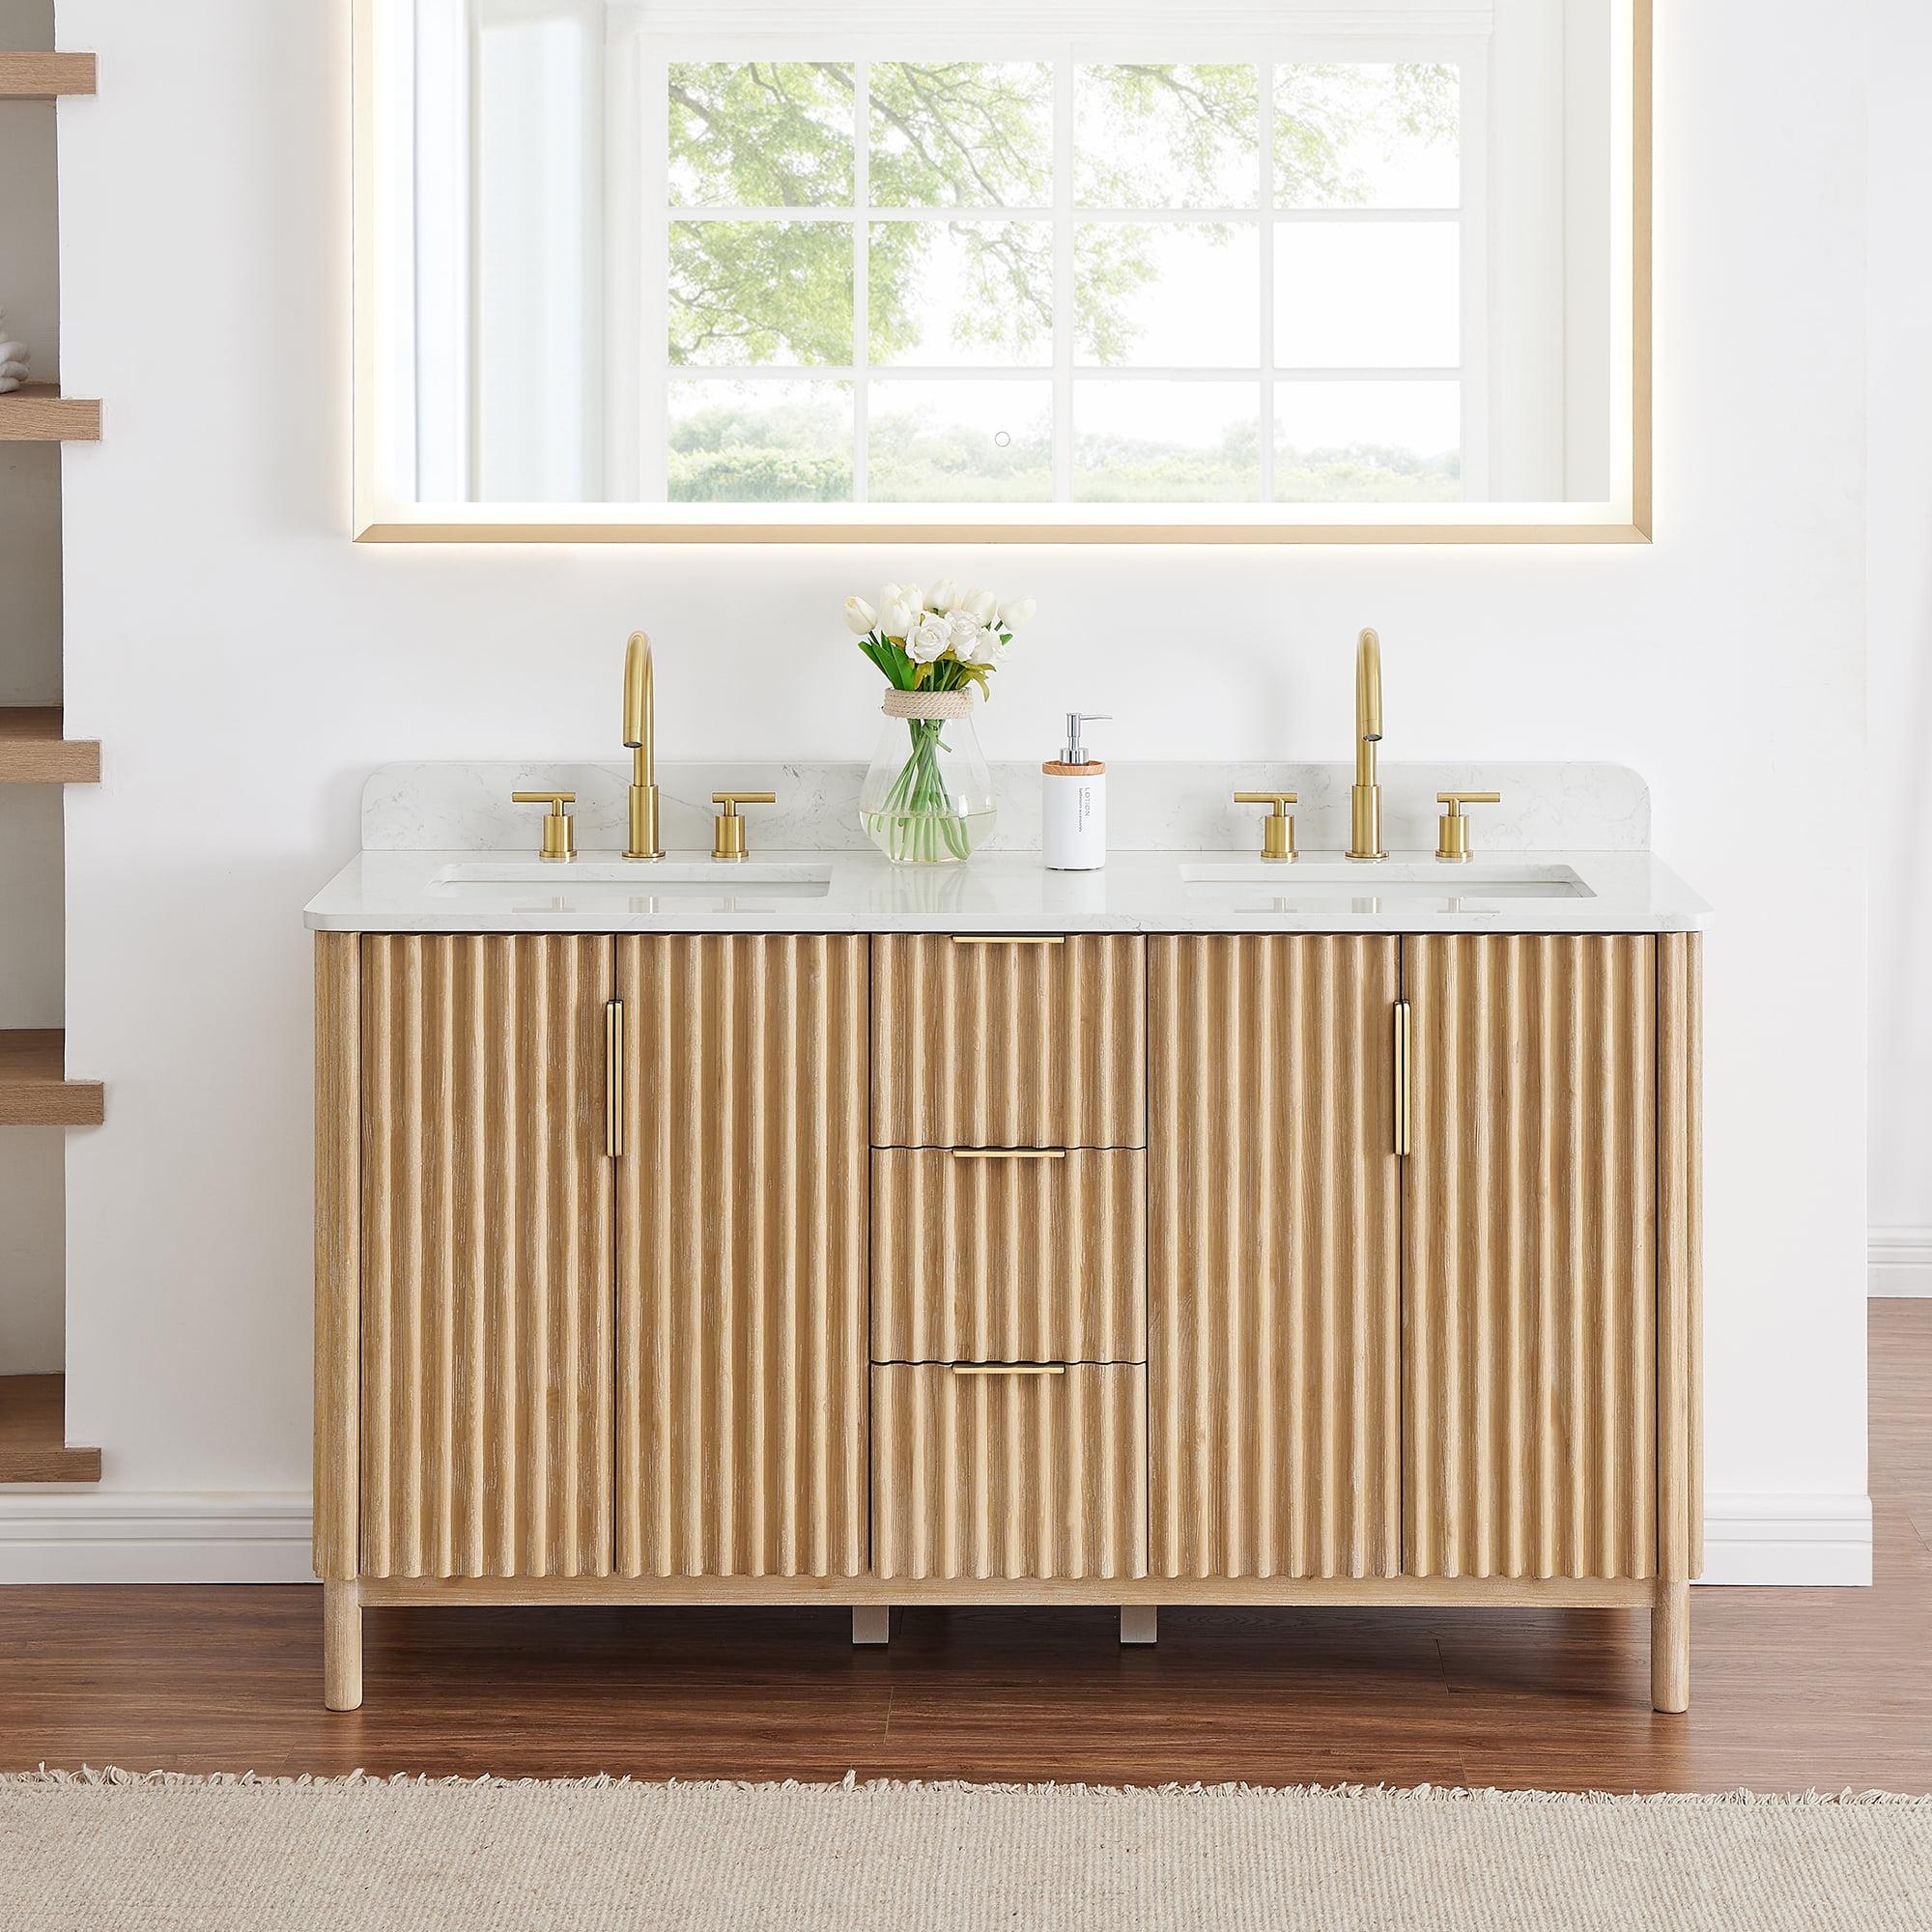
(37, 412)
(45, 76)
(34, 1091)
(33, 1434)
(34, 751)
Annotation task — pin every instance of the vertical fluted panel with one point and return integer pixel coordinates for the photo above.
(1009, 1044)
(338, 1252)
(1275, 1246)
(741, 1257)
(486, 1245)
(1680, 1255)
(1530, 1265)
(1009, 1261)
(1008, 1476)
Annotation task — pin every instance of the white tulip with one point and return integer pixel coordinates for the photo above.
(1017, 612)
(979, 604)
(927, 639)
(943, 597)
(912, 597)
(898, 618)
(860, 618)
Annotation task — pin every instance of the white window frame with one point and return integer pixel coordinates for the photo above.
(636, 307)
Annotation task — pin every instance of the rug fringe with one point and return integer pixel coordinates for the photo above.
(115, 1777)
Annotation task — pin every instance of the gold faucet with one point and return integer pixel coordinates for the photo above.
(641, 736)
(1365, 798)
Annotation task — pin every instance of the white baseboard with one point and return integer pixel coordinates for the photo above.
(1898, 1263)
(94, 1536)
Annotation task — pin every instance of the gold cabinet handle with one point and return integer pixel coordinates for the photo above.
(1007, 1367)
(1008, 939)
(1009, 1153)
(1405, 1123)
(1452, 828)
(559, 832)
(1278, 827)
(613, 1079)
(727, 829)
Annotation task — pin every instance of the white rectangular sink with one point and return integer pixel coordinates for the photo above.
(645, 878)
(1408, 880)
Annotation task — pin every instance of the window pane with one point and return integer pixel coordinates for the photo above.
(760, 292)
(961, 134)
(761, 134)
(1166, 442)
(1367, 443)
(1368, 136)
(1181, 295)
(1166, 137)
(976, 293)
(1367, 294)
(760, 443)
(960, 443)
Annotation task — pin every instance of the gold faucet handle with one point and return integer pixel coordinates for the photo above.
(1278, 827)
(1452, 828)
(559, 830)
(727, 829)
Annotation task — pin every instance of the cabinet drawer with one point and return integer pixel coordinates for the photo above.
(1008, 1257)
(988, 1475)
(1008, 1042)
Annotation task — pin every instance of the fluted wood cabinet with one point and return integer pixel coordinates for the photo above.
(1216, 1268)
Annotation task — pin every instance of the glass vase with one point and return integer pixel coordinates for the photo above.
(927, 799)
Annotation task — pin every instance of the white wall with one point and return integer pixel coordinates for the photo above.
(30, 673)
(1900, 292)
(247, 667)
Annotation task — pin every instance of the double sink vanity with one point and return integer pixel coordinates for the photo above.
(799, 1229)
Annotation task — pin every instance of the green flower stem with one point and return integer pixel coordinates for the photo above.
(919, 807)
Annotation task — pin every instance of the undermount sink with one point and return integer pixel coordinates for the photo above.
(658, 879)
(1383, 879)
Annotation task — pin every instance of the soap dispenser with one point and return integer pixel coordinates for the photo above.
(1073, 818)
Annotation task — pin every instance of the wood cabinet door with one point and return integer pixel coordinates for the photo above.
(1529, 1301)
(1273, 1249)
(741, 1256)
(486, 1317)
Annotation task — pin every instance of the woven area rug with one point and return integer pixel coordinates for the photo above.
(102, 1851)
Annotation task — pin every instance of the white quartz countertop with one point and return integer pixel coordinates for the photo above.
(847, 891)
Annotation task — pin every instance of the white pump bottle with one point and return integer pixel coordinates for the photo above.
(1073, 818)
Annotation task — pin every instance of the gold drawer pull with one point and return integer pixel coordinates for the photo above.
(613, 1079)
(1009, 1153)
(1007, 1367)
(1008, 939)
(1404, 1073)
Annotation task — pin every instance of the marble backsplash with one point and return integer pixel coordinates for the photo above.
(1151, 807)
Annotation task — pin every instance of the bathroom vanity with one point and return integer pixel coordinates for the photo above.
(1195, 1232)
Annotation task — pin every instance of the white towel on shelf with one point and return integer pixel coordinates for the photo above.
(16, 370)
(8, 384)
(13, 352)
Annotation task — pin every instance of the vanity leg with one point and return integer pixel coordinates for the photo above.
(1140, 1623)
(342, 1645)
(872, 1623)
(1670, 1646)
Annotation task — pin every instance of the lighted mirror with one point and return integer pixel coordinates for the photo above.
(1041, 273)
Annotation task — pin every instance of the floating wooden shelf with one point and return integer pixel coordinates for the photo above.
(37, 412)
(34, 1091)
(33, 1434)
(41, 76)
(33, 751)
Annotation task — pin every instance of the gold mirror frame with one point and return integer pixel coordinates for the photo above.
(1626, 519)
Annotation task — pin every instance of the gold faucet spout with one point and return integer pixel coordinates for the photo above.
(640, 738)
(1365, 796)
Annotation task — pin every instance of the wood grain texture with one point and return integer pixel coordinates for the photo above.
(999, 1476)
(338, 1254)
(34, 751)
(1008, 1046)
(486, 1253)
(33, 1434)
(1010, 1261)
(1273, 1285)
(1680, 1255)
(1529, 1257)
(37, 412)
(38, 75)
(34, 1091)
(741, 1257)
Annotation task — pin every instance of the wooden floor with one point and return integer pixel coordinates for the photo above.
(1792, 1688)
